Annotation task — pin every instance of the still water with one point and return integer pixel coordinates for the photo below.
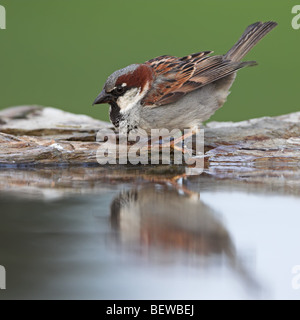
(136, 239)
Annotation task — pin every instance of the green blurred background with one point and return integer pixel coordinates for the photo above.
(60, 52)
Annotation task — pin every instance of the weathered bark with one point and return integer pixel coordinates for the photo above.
(264, 150)
(33, 136)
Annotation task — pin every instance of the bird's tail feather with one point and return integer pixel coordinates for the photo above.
(252, 35)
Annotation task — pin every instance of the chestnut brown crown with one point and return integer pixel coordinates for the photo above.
(116, 85)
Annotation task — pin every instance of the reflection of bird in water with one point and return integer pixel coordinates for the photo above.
(158, 216)
(161, 221)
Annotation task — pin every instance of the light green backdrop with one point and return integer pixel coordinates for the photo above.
(59, 52)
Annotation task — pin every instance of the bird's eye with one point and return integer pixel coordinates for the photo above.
(119, 90)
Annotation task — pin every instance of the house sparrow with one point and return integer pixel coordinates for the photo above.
(176, 93)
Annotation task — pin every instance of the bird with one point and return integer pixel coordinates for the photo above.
(176, 93)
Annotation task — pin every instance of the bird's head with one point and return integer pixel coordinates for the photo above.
(126, 87)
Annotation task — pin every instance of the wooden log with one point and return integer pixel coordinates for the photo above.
(262, 151)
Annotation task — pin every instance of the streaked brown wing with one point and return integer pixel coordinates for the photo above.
(170, 74)
(175, 77)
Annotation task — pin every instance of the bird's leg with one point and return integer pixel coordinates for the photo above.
(158, 139)
(149, 144)
(182, 138)
(172, 143)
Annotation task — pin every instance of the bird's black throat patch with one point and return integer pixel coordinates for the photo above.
(115, 114)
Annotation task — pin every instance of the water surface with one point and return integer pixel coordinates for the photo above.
(136, 239)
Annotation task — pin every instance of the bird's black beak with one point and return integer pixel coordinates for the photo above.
(103, 97)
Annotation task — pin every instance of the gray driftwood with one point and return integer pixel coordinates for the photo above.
(263, 150)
